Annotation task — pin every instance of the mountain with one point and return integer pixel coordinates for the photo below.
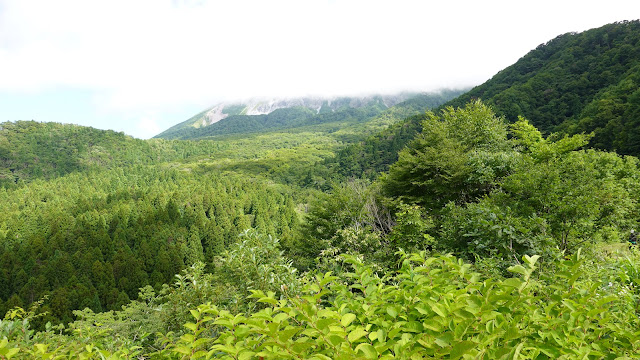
(97, 214)
(257, 240)
(576, 83)
(278, 114)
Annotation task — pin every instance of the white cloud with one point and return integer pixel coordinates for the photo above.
(154, 55)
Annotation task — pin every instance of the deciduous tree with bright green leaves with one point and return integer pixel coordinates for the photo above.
(458, 157)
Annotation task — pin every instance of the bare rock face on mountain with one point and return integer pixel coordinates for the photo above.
(257, 107)
(267, 106)
(212, 116)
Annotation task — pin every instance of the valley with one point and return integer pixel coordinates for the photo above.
(490, 223)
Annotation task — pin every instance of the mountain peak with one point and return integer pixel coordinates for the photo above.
(265, 106)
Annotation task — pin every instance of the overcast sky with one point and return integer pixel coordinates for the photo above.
(142, 66)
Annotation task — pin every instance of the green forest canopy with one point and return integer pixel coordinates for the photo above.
(264, 245)
(497, 196)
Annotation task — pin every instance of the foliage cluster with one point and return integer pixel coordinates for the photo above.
(93, 239)
(372, 155)
(435, 307)
(472, 185)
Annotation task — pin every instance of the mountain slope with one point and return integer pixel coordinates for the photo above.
(273, 115)
(577, 82)
(105, 214)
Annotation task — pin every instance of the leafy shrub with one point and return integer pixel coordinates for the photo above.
(432, 307)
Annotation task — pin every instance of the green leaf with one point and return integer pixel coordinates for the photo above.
(191, 326)
(391, 310)
(347, 319)
(594, 312)
(324, 323)
(606, 299)
(568, 303)
(268, 300)
(188, 338)
(320, 357)
(439, 309)
(512, 282)
(549, 350)
(531, 260)
(300, 347)
(196, 314)
(335, 340)
(432, 325)
(356, 334)
(182, 350)
(280, 317)
(245, 355)
(413, 326)
(220, 347)
(368, 350)
(41, 348)
(517, 349)
(444, 340)
(287, 334)
(199, 354)
(393, 332)
(12, 352)
(518, 269)
(461, 348)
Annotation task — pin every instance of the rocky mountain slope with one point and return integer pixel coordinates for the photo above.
(259, 114)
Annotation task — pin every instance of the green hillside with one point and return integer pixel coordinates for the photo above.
(212, 247)
(243, 124)
(576, 83)
(30, 150)
(339, 111)
(585, 82)
(251, 115)
(77, 198)
(275, 236)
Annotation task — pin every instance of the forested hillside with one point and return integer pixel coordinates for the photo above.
(586, 82)
(249, 116)
(93, 239)
(31, 150)
(91, 216)
(267, 268)
(291, 114)
(277, 236)
(576, 83)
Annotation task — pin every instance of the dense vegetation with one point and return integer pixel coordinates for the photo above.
(576, 83)
(585, 82)
(484, 238)
(93, 239)
(91, 216)
(500, 196)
